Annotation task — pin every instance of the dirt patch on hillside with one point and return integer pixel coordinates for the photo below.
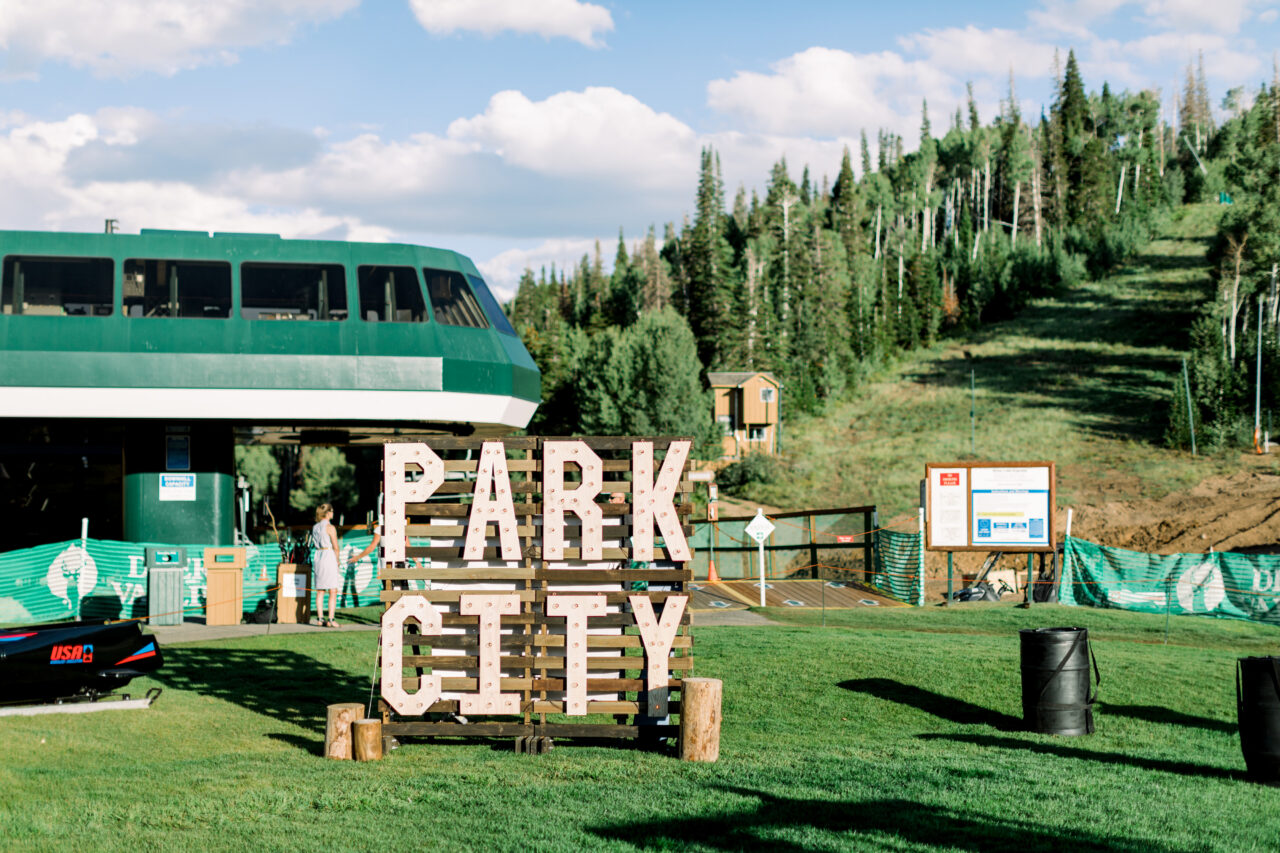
(1234, 512)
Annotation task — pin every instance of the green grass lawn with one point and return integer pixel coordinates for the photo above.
(885, 730)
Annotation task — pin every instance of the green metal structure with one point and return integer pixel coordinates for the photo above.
(155, 353)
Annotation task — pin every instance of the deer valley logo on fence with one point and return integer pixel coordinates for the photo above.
(552, 587)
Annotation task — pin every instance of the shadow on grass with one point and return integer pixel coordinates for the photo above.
(905, 821)
(1183, 768)
(312, 745)
(952, 710)
(1118, 395)
(1156, 714)
(283, 685)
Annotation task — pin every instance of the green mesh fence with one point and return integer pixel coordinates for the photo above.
(896, 569)
(1220, 584)
(900, 566)
(98, 579)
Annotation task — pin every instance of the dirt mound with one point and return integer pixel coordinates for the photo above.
(1233, 512)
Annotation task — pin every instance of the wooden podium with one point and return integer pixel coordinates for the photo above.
(293, 595)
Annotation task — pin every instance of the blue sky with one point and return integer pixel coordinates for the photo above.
(520, 131)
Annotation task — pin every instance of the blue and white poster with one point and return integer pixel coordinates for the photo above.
(1009, 507)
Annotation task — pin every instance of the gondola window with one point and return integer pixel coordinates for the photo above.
(167, 288)
(452, 301)
(391, 295)
(57, 287)
(293, 292)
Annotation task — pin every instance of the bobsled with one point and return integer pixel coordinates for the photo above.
(73, 660)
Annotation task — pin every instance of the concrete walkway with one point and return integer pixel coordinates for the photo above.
(198, 632)
(193, 631)
(705, 618)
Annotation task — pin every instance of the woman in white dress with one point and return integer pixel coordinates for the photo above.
(327, 577)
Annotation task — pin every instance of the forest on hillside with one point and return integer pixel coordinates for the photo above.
(1229, 407)
(822, 281)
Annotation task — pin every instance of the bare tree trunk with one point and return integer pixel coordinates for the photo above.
(1137, 167)
(900, 253)
(1120, 186)
(1036, 201)
(955, 214)
(754, 269)
(977, 238)
(986, 197)
(1017, 191)
(1237, 259)
(1161, 145)
(878, 212)
(787, 204)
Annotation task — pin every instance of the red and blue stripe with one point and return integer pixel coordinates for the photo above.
(147, 651)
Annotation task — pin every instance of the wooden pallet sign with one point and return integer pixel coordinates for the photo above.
(535, 587)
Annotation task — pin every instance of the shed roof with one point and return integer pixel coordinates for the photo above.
(732, 379)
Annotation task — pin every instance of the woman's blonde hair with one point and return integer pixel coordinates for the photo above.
(322, 511)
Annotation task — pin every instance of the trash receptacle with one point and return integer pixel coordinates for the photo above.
(1258, 713)
(165, 591)
(224, 594)
(1056, 696)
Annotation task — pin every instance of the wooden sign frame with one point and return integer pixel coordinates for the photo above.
(938, 540)
(459, 576)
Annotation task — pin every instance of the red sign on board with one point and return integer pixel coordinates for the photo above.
(845, 540)
(949, 479)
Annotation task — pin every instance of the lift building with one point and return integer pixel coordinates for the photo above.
(133, 364)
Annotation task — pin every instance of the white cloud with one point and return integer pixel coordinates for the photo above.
(1268, 17)
(1220, 53)
(571, 19)
(364, 169)
(828, 92)
(178, 205)
(33, 166)
(503, 270)
(124, 37)
(598, 132)
(1073, 17)
(1194, 16)
(971, 51)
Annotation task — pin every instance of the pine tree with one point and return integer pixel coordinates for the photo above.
(844, 214)
(707, 262)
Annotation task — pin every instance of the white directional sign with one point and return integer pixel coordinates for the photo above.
(759, 527)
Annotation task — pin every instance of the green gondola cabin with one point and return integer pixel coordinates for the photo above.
(144, 358)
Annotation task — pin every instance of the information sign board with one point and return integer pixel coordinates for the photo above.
(989, 506)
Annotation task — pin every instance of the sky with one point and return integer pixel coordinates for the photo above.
(520, 132)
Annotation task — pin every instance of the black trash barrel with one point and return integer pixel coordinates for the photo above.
(1055, 681)
(1258, 711)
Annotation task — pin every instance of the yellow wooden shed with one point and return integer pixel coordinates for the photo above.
(747, 411)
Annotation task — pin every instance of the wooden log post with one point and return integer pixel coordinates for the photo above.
(337, 729)
(366, 739)
(700, 719)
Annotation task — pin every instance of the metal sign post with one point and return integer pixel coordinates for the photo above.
(759, 529)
